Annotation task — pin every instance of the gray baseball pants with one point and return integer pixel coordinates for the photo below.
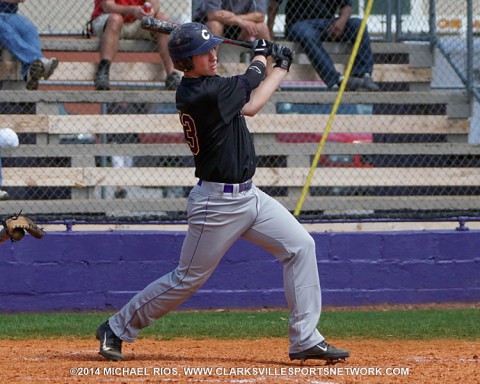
(216, 219)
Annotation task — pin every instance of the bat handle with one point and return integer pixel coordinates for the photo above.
(240, 43)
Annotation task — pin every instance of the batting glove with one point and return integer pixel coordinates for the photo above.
(282, 56)
(262, 47)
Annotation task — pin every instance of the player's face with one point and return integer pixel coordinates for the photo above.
(204, 64)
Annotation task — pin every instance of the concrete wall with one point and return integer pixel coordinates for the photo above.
(102, 270)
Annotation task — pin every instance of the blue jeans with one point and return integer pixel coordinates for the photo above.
(20, 37)
(311, 33)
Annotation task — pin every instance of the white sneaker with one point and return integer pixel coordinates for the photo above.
(49, 66)
(4, 195)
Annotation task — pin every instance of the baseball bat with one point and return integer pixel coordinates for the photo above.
(165, 27)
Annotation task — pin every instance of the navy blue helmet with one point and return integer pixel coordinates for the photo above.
(191, 39)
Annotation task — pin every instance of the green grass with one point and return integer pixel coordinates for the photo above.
(392, 324)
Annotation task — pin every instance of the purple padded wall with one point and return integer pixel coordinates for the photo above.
(102, 270)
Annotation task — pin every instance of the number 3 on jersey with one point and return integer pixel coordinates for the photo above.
(190, 131)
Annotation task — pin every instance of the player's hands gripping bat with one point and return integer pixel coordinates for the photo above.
(262, 47)
(165, 27)
(282, 56)
(14, 228)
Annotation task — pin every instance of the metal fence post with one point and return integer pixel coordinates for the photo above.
(469, 57)
(388, 35)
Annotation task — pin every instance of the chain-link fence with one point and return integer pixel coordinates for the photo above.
(406, 149)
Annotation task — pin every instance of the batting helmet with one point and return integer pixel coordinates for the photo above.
(191, 39)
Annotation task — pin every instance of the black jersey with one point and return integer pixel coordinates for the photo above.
(215, 129)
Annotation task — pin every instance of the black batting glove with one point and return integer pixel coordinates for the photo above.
(282, 56)
(279, 50)
(262, 47)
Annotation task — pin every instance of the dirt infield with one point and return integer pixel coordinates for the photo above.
(233, 361)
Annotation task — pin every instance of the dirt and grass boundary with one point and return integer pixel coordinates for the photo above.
(438, 343)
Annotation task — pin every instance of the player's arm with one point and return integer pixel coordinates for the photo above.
(282, 57)
(264, 92)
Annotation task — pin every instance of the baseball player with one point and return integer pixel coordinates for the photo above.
(225, 204)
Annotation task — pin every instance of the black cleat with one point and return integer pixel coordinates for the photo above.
(322, 351)
(110, 344)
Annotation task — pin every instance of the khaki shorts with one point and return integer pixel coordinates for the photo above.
(132, 31)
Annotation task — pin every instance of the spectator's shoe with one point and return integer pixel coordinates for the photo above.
(368, 83)
(322, 351)
(172, 81)
(49, 66)
(354, 83)
(4, 195)
(110, 344)
(102, 79)
(35, 73)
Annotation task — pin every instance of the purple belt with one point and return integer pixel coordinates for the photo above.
(229, 188)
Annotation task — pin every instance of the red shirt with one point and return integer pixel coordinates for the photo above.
(98, 9)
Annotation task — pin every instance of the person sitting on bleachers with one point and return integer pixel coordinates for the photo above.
(20, 37)
(116, 19)
(310, 22)
(245, 19)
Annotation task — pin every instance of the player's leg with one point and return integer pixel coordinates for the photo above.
(276, 230)
(213, 226)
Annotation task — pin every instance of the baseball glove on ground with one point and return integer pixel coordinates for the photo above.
(14, 228)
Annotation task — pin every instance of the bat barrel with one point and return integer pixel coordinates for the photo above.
(156, 25)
